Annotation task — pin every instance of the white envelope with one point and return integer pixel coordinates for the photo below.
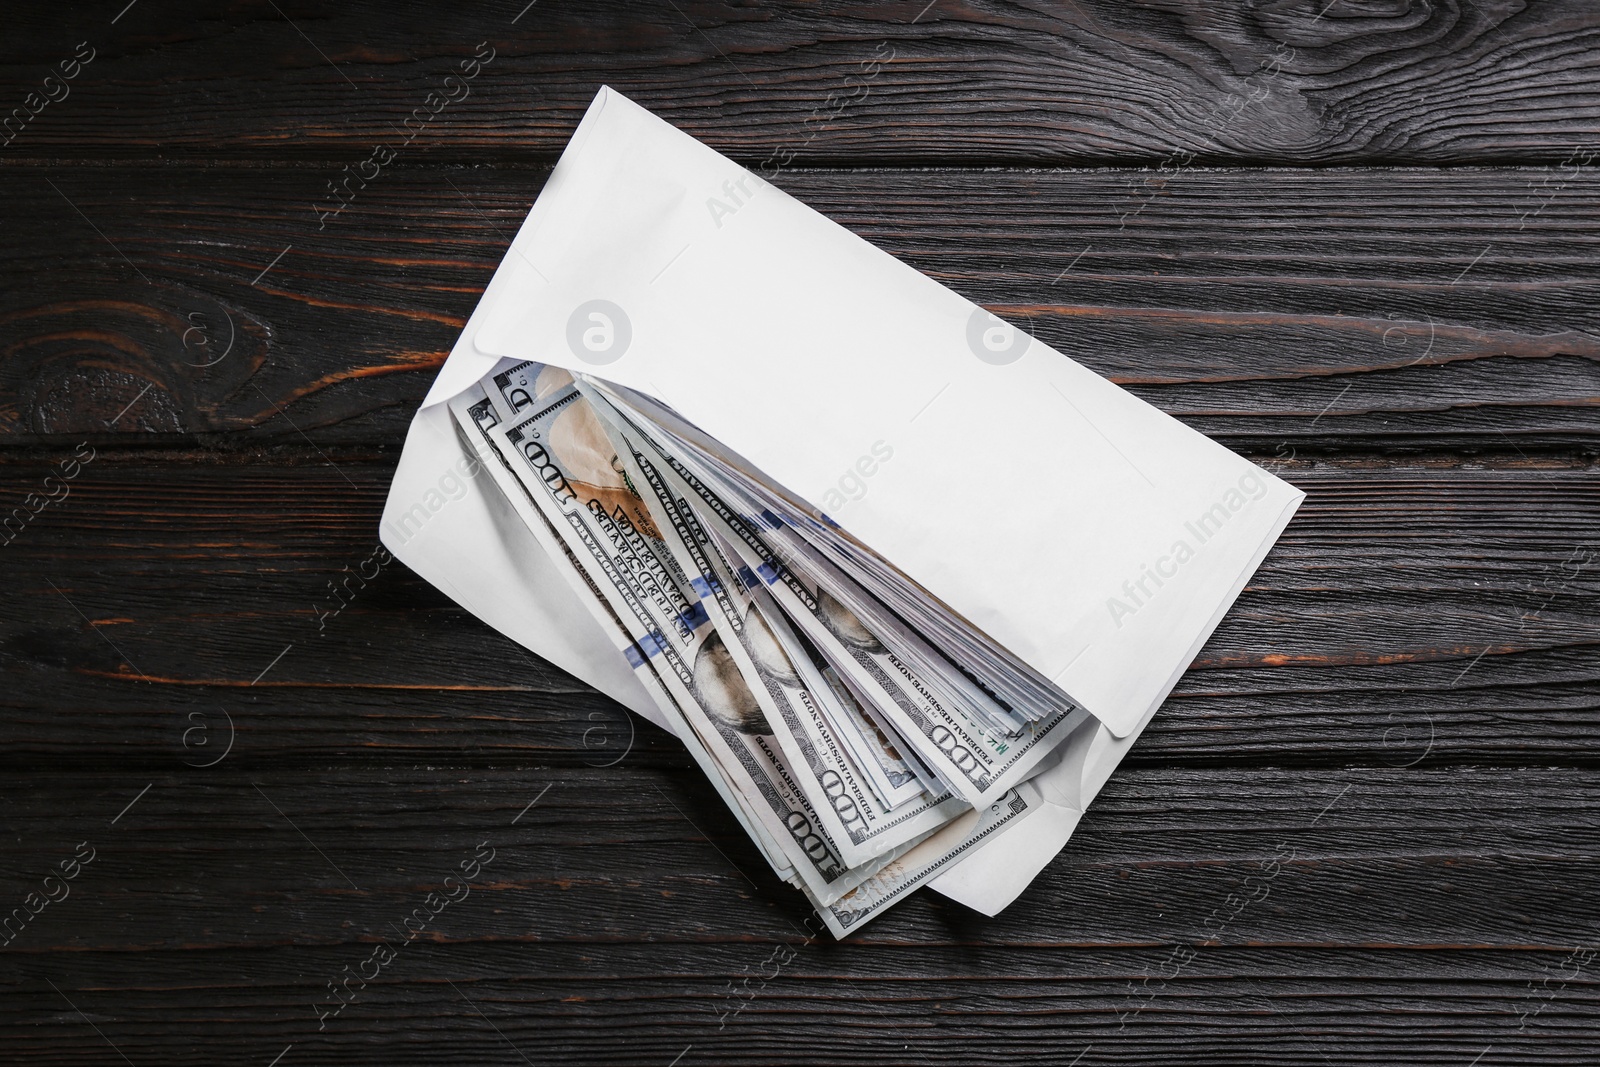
(1097, 538)
(446, 520)
(997, 875)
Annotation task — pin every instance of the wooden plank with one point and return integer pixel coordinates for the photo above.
(538, 1004)
(1445, 610)
(912, 82)
(1363, 830)
(1348, 912)
(1470, 857)
(1283, 311)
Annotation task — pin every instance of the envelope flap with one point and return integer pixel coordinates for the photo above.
(1088, 532)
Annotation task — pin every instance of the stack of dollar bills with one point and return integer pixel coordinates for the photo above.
(863, 738)
(907, 582)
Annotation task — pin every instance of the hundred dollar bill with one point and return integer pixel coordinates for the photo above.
(860, 825)
(475, 417)
(885, 728)
(474, 409)
(894, 778)
(971, 710)
(813, 557)
(978, 762)
(956, 687)
(935, 854)
(561, 455)
(1009, 682)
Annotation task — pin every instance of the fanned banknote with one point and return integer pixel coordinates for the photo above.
(843, 730)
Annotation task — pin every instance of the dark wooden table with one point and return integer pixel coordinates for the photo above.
(1355, 240)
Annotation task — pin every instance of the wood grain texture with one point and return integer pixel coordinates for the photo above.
(1409, 610)
(1435, 807)
(1459, 856)
(620, 929)
(1355, 240)
(1278, 310)
(905, 82)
